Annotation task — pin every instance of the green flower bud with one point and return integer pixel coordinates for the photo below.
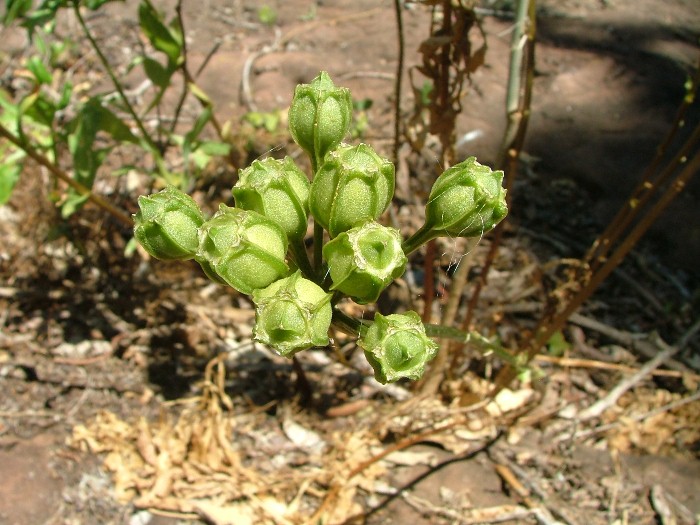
(167, 223)
(364, 260)
(467, 200)
(396, 346)
(277, 189)
(243, 249)
(354, 185)
(319, 116)
(292, 314)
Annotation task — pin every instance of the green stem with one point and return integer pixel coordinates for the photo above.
(418, 239)
(110, 72)
(352, 326)
(348, 324)
(301, 258)
(318, 250)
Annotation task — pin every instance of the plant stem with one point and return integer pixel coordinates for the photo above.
(117, 85)
(518, 111)
(647, 187)
(397, 82)
(190, 83)
(356, 327)
(318, 251)
(548, 326)
(302, 259)
(418, 239)
(436, 373)
(62, 175)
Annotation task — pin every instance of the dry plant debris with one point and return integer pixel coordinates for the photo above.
(197, 465)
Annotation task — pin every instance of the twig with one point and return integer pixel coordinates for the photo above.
(246, 92)
(546, 508)
(625, 338)
(634, 418)
(436, 373)
(669, 509)
(397, 81)
(597, 408)
(548, 325)
(401, 445)
(573, 362)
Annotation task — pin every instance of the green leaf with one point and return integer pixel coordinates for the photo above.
(96, 4)
(557, 344)
(156, 73)
(66, 93)
(38, 69)
(15, 9)
(191, 136)
(189, 144)
(158, 33)
(92, 119)
(198, 93)
(38, 108)
(10, 170)
(43, 15)
(215, 148)
(110, 123)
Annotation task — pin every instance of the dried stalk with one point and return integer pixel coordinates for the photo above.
(518, 100)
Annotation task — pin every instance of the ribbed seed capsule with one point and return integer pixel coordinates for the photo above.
(167, 224)
(243, 249)
(364, 260)
(292, 314)
(319, 116)
(353, 185)
(466, 200)
(396, 346)
(277, 189)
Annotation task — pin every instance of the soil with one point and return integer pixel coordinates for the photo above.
(109, 413)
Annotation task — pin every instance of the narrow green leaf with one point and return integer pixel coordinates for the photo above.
(158, 33)
(197, 92)
(156, 73)
(66, 93)
(215, 148)
(96, 4)
(15, 9)
(38, 69)
(10, 170)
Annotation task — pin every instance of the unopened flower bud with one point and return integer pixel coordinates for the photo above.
(353, 185)
(243, 249)
(467, 200)
(364, 260)
(277, 189)
(292, 314)
(319, 116)
(167, 224)
(396, 346)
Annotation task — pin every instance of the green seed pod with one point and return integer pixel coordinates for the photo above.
(167, 224)
(354, 185)
(364, 260)
(243, 249)
(277, 189)
(396, 346)
(319, 116)
(292, 314)
(467, 200)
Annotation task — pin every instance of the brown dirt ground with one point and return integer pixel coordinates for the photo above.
(92, 341)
